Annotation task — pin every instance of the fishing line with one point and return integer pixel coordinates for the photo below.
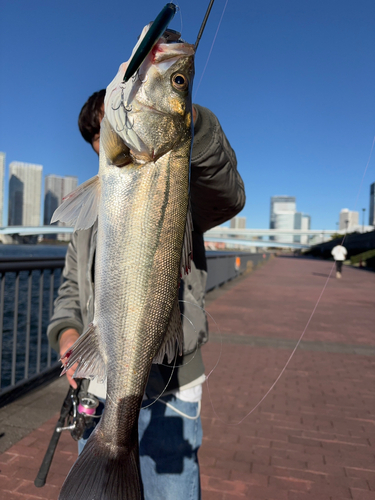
(185, 364)
(302, 334)
(185, 415)
(283, 369)
(192, 324)
(221, 345)
(364, 174)
(320, 296)
(166, 385)
(212, 46)
(181, 23)
(360, 186)
(311, 315)
(196, 348)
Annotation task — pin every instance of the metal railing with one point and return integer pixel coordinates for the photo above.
(28, 287)
(225, 266)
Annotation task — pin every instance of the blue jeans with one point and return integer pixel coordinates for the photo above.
(168, 447)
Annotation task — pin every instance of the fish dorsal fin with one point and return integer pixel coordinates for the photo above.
(187, 247)
(174, 337)
(80, 207)
(86, 352)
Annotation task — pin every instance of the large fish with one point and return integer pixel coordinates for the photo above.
(141, 201)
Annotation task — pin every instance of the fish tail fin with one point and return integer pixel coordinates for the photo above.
(100, 474)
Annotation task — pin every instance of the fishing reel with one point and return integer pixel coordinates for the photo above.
(83, 415)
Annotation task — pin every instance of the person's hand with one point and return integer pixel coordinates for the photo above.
(67, 339)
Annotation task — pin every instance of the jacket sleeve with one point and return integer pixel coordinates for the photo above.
(217, 190)
(67, 311)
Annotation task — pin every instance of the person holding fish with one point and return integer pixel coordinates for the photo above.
(123, 305)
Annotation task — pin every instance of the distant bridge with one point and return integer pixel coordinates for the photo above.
(35, 230)
(279, 238)
(254, 243)
(246, 233)
(243, 237)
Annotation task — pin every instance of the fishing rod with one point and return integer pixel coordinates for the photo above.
(65, 412)
(157, 28)
(203, 24)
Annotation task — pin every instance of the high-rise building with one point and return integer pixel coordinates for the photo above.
(25, 185)
(238, 223)
(55, 188)
(303, 222)
(70, 183)
(348, 220)
(283, 209)
(2, 176)
(52, 196)
(371, 219)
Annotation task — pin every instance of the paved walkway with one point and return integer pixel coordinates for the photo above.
(314, 435)
(312, 438)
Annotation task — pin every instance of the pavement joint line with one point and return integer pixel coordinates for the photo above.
(305, 345)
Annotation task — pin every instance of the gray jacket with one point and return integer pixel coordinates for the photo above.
(217, 194)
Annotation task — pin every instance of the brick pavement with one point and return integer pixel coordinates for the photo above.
(312, 438)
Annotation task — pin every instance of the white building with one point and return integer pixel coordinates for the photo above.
(2, 176)
(303, 222)
(56, 188)
(283, 209)
(348, 220)
(25, 186)
(238, 223)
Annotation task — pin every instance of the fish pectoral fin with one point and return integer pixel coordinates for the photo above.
(80, 207)
(187, 248)
(85, 351)
(174, 338)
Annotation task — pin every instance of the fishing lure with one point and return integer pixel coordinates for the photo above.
(154, 33)
(157, 29)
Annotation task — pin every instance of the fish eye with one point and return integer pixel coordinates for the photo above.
(180, 82)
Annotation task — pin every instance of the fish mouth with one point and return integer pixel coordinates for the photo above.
(163, 52)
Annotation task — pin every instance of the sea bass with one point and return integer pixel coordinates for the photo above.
(140, 199)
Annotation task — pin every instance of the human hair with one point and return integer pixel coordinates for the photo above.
(91, 115)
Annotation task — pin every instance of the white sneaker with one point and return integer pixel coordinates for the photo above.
(338, 275)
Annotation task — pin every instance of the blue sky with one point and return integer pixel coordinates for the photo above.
(291, 82)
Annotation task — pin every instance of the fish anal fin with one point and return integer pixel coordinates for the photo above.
(80, 207)
(187, 248)
(85, 351)
(173, 339)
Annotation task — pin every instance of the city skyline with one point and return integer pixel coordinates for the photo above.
(28, 203)
(290, 82)
(69, 183)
